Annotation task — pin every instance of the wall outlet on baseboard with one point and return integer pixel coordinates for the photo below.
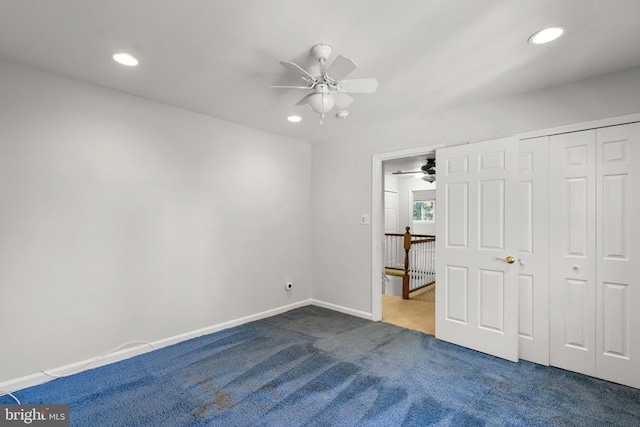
(288, 286)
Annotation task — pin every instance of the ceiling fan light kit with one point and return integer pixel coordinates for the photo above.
(329, 88)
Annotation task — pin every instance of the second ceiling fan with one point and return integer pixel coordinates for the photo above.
(428, 171)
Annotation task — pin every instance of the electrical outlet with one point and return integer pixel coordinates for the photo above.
(288, 286)
(365, 219)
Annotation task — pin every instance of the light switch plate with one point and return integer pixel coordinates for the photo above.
(365, 219)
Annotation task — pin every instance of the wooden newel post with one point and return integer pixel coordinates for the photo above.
(405, 278)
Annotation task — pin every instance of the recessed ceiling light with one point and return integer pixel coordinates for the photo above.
(125, 59)
(547, 35)
(294, 119)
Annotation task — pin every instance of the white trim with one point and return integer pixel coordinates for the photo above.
(377, 228)
(611, 121)
(40, 377)
(377, 213)
(342, 309)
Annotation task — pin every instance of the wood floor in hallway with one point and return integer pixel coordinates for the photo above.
(417, 313)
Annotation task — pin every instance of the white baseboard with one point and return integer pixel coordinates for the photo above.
(342, 309)
(74, 368)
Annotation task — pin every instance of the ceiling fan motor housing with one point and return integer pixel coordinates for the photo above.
(430, 167)
(321, 52)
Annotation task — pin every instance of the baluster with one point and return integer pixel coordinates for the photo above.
(416, 266)
(423, 248)
(429, 260)
(405, 278)
(423, 273)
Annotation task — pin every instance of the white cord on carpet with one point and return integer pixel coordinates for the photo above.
(9, 394)
(96, 359)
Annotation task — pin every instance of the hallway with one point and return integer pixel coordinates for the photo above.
(416, 313)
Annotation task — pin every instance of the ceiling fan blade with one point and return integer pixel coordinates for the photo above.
(342, 100)
(358, 85)
(298, 70)
(405, 172)
(291, 87)
(304, 100)
(340, 68)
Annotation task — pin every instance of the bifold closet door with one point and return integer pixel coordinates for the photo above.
(594, 296)
(618, 254)
(572, 264)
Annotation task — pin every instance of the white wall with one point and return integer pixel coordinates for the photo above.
(390, 183)
(125, 219)
(342, 169)
(406, 188)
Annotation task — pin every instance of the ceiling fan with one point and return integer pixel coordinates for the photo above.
(428, 171)
(327, 82)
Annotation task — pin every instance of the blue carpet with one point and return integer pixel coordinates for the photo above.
(316, 367)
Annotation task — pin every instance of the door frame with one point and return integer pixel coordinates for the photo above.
(377, 219)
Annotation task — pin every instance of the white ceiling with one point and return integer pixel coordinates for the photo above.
(217, 57)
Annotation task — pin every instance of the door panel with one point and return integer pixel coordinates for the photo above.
(525, 309)
(618, 253)
(577, 331)
(533, 224)
(491, 300)
(491, 227)
(456, 294)
(457, 198)
(572, 251)
(477, 301)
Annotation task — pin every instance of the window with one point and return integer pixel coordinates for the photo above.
(424, 211)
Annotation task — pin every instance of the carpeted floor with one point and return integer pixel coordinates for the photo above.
(417, 313)
(313, 366)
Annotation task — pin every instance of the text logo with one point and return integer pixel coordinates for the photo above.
(34, 415)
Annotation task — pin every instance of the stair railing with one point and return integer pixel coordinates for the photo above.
(419, 259)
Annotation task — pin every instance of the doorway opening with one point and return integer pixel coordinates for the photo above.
(404, 196)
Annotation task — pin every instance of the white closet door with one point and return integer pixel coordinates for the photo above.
(533, 254)
(572, 251)
(618, 254)
(477, 295)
